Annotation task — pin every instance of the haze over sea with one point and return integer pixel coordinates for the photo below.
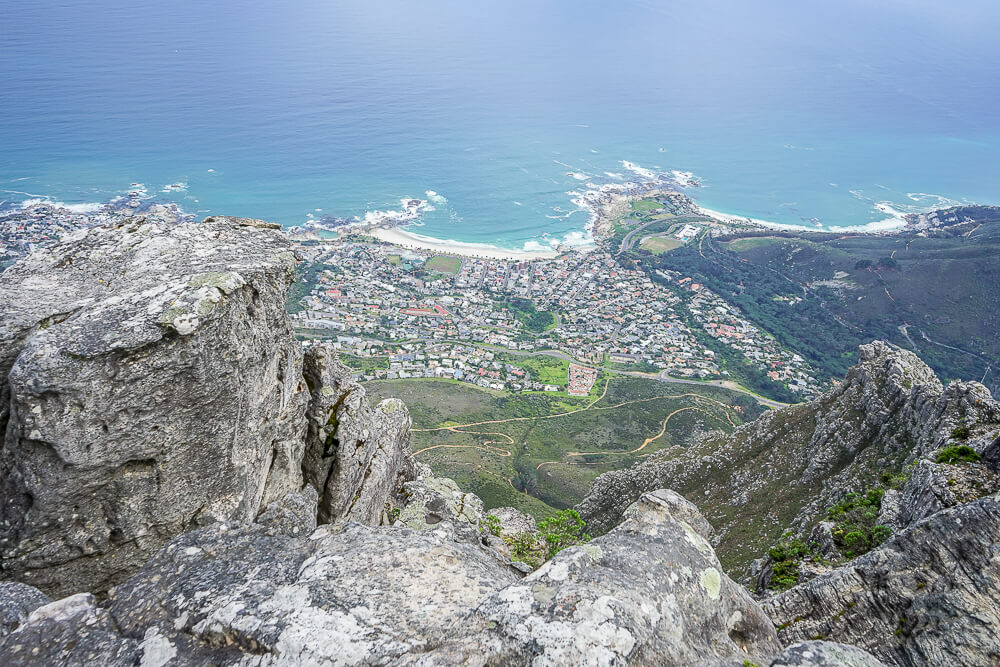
(801, 113)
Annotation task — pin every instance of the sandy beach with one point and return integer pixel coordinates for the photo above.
(413, 241)
(894, 222)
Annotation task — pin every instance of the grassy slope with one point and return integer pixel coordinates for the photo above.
(943, 287)
(563, 480)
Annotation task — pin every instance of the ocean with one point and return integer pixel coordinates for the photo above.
(499, 114)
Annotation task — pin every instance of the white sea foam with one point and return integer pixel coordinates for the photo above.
(175, 187)
(580, 176)
(636, 169)
(83, 209)
(436, 198)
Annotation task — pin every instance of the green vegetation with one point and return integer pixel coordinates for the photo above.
(646, 205)
(393, 259)
(788, 553)
(443, 264)
(543, 368)
(660, 244)
(534, 320)
(562, 530)
(855, 529)
(958, 454)
(364, 364)
(306, 277)
(962, 431)
(542, 451)
(855, 532)
(857, 287)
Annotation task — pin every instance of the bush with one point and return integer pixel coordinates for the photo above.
(855, 529)
(564, 529)
(958, 454)
(960, 432)
(788, 553)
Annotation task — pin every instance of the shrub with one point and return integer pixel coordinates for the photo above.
(855, 530)
(958, 454)
(788, 553)
(962, 431)
(492, 524)
(563, 529)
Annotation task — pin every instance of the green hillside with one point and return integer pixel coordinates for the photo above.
(542, 452)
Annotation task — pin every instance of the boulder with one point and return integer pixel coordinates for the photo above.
(17, 600)
(226, 594)
(650, 592)
(149, 381)
(513, 522)
(71, 631)
(293, 515)
(930, 595)
(430, 500)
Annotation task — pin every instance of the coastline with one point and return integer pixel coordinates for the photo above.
(895, 222)
(405, 239)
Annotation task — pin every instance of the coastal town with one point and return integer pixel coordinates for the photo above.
(505, 323)
(405, 314)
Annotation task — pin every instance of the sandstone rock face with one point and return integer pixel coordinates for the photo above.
(71, 631)
(364, 595)
(17, 600)
(786, 468)
(356, 456)
(649, 592)
(430, 500)
(825, 654)
(928, 596)
(933, 487)
(150, 381)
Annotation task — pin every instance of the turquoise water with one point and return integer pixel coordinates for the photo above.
(801, 113)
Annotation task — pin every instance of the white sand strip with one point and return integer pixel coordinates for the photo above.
(413, 241)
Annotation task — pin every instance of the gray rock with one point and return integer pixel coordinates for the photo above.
(356, 456)
(71, 631)
(431, 500)
(149, 381)
(786, 468)
(16, 602)
(683, 509)
(823, 542)
(513, 522)
(364, 595)
(890, 510)
(935, 486)
(649, 592)
(991, 455)
(825, 654)
(293, 515)
(930, 595)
